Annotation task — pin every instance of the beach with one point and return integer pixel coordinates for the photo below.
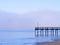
(49, 43)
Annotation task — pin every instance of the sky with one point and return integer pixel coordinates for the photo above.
(23, 6)
(25, 14)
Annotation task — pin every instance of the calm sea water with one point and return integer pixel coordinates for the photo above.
(22, 37)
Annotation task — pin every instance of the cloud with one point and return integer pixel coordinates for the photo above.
(29, 20)
(15, 21)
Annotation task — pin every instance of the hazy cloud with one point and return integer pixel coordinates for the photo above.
(29, 21)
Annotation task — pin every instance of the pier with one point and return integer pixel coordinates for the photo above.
(46, 31)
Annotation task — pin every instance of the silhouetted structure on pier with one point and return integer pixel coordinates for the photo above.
(46, 31)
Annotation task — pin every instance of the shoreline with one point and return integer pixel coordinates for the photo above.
(57, 42)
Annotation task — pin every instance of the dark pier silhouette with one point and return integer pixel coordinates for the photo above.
(46, 31)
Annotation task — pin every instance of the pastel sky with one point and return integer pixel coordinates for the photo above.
(21, 6)
(24, 14)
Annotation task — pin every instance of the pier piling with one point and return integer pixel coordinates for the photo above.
(44, 31)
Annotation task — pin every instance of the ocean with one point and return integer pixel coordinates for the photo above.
(22, 37)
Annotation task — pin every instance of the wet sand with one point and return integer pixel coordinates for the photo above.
(49, 43)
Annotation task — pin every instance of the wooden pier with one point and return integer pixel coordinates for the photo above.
(46, 31)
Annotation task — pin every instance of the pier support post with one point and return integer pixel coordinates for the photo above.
(41, 32)
(52, 33)
(46, 33)
(56, 33)
(36, 33)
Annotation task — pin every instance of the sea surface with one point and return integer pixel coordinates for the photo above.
(22, 37)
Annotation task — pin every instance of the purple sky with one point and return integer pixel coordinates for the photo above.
(25, 14)
(29, 20)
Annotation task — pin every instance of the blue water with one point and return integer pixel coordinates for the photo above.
(22, 37)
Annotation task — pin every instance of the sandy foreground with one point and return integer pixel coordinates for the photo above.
(49, 43)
